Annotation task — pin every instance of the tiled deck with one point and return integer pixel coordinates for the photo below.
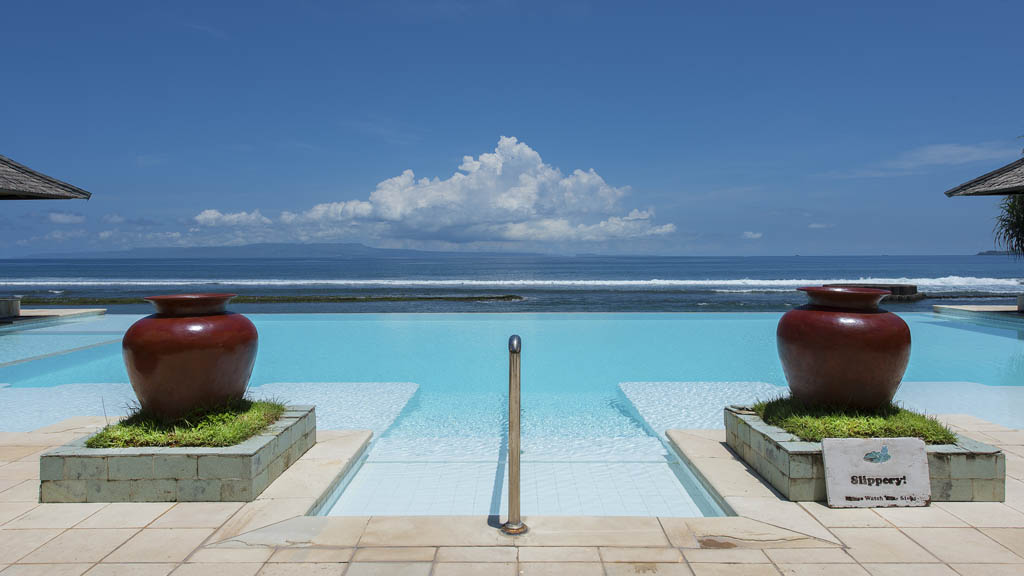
(272, 536)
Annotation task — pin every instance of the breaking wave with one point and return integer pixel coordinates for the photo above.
(945, 284)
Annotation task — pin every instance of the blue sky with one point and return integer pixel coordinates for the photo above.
(721, 128)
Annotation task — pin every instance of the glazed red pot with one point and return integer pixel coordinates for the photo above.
(841, 349)
(191, 354)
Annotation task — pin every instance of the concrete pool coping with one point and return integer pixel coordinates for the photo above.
(273, 535)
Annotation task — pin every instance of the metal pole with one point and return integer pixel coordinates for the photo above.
(515, 524)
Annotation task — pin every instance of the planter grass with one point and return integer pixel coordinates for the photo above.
(812, 423)
(226, 426)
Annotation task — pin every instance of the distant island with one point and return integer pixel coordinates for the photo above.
(994, 253)
(339, 251)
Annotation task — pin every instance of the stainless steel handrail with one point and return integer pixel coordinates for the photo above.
(514, 525)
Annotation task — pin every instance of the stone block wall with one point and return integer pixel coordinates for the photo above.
(968, 471)
(75, 473)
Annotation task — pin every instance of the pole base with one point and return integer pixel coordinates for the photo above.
(514, 529)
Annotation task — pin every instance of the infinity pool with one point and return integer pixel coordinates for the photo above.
(598, 392)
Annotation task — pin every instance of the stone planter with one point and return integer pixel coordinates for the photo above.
(968, 471)
(74, 473)
(10, 307)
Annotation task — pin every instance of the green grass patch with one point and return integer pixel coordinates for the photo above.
(225, 426)
(812, 423)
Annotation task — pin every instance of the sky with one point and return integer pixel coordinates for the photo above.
(712, 128)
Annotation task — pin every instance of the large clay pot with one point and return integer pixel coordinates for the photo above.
(191, 354)
(842, 350)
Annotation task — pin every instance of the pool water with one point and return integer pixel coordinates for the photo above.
(433, 388)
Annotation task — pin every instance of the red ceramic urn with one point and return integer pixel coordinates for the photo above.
(842, 350)
(191, 354)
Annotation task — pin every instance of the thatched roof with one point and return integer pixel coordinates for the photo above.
(1000, 182)
(19, 182)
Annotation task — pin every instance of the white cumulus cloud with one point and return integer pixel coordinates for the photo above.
(218, 218)
(509, 194)
(752, 235)
(65, 218)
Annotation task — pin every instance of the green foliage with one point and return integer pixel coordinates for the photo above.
(1009, 229)
(225, 426)
(812, 423)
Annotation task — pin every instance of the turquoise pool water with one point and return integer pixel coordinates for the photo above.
(433, 388)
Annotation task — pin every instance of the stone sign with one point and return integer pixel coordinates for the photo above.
(876, 472)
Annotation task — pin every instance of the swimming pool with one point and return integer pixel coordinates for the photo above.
(598, 392)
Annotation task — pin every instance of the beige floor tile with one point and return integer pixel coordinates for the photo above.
(731, 477)
(734, 570)
(985, 514)
(432, 531)
(697, 445)
(726, 556)
(909, 570)
(257, 555)
(131, 570)
(46, 569)
(659, 555)
(331, 531)
(11, 510)
(809, 556)
(261, 513)
(561, 569)
(160, 545)
(1006, 437)
(679, 532)
(80, 546)
(559, 554)
(925, 517)
(19, 471)
(303, 569)
(218, 569)
(126, 515)
(12, 453)
(26, 491)
(986, 569)
(304, 479)
(844, 518)
(782, 513)
(882, 545)
(390, 554)
(312, 555)
(55, 516)
(1012, 538)
(197, 515)
(342, 446)
(388, 569)
(1015, 494)
(655, 568)
(736, 531)
(15, 544)
(822, 570)
(477, 554)
(961, 545)
(592, 531)
(6, 483)
(475, 569)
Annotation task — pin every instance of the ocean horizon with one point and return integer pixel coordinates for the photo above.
(505, 283)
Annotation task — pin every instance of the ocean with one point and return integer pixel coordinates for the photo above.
(505, 283)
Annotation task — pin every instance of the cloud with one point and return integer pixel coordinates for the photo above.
(218, 218)
(509, 194)
(917, 160)
(818, 226)
(65, 218)
(752, 235)
(113, 218)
